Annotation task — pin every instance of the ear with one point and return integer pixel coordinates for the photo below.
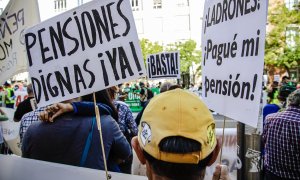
(138, 150)
(215, 153)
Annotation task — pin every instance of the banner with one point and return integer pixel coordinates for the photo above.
(165, 65)
(133, 99)
(17, 16)
(83, 50)
(233, 41)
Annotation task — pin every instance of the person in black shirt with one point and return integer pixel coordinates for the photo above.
(25, 106)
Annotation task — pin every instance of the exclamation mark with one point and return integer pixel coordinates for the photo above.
(136, 59)
(176, 64)
(148, 64)
(253, 87)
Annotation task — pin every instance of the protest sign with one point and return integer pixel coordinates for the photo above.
(83, 50)
(165, 65)
(233, 39)
(17, 16)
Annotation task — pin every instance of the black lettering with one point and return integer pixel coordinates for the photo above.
(112, 24)
(136, 59)
(91, 41)
(36, 89)
(101, 26)
(64, 83)
(43, 49)
(56, 37)
(53, 90)
(164, 68)
(124, 18)
(29, 45)
(124, 63)
(113, 61)
(78, 78)
(105, 77)
(79, 30)
(65, 33)
(90, 72)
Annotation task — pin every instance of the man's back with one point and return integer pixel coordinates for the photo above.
(282, 143)
(64, 140)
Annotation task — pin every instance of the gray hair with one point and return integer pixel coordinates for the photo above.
(294, 99)
(165, 87)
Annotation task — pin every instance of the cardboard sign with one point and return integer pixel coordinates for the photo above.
(17, 16)
(165, 65)
(233, 40)
(83, 50)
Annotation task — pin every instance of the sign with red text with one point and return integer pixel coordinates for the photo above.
(17, 16)
(165, 65)
(83, 50)
(233, 42)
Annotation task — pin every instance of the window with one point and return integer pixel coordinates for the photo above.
(292, 4)
(80, 2)
(157, 4)
(183, 3)
(291, 33)
(136, 5)
(1, 10)
(60, 5)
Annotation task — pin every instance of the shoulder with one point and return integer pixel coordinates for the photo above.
(107, 120)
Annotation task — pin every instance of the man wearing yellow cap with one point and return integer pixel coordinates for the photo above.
(177, 138)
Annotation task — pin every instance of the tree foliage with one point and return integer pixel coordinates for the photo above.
(277, 50)
(149, 47)
(188, 54)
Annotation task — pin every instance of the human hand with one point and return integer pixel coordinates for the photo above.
(221, 172)
(55, 110)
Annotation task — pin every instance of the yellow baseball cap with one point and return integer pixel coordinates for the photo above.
(177, 113)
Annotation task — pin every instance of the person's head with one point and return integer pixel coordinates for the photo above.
(176, 86)
(6, 84)
(102, 97)
(112, 91)
(284, 91)
(285, 79)
(165, 87)
(176, 138)
(30, 90)
(294, 99)
(142, 84)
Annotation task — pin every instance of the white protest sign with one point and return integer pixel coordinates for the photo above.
(83, 50)
(233, 40)
(17, 16)
(165, 65)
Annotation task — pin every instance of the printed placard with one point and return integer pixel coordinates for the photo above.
(17, 16)
(233, 39)
(165, 65)
(83, 50)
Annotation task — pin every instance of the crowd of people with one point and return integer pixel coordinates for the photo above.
(173, 135)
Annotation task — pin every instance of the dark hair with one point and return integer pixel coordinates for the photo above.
(176, 86)
(174, 171)
(103, 97)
